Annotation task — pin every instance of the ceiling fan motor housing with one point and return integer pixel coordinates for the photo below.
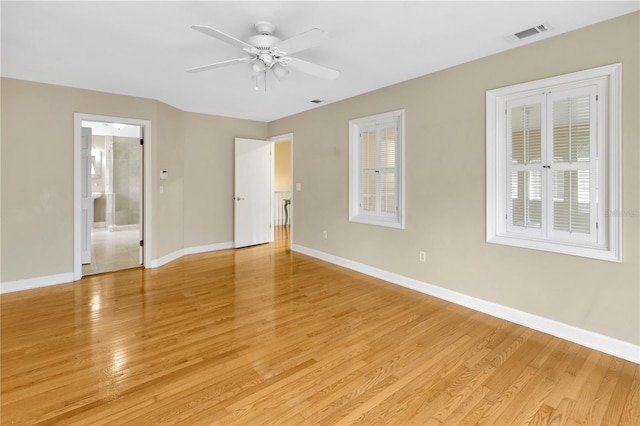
(263, 41)
(265, 38)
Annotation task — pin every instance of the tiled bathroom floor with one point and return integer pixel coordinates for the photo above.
(112, 251)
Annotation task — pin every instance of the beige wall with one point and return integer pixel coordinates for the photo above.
(208, 189)
(37, 171)
(445, 186)
(37, 174)
(168, 208)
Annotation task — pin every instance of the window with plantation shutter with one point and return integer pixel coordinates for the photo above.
(375, 146)
(553, 164)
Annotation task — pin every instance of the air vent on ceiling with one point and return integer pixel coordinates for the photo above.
(531, 31)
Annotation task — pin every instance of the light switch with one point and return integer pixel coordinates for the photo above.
(298, 187)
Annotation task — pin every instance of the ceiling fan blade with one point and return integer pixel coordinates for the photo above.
(313, 69)
(302, 41)
(221, 36)
(220, 64)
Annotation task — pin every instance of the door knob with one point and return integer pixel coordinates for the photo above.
(238, 198)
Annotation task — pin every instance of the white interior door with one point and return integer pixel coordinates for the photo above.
(86, 200)
(252, 198)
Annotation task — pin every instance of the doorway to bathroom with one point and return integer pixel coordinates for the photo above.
(116, 189)
(111, 182)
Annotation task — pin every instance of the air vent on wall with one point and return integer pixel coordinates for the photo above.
(531, 31)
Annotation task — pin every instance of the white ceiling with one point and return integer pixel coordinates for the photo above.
(143, 48)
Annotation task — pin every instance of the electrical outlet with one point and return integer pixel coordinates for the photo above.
(324, 235)
(423, 256)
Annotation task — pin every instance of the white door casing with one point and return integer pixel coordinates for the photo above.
(86, 199)
(147, 199)
(142, 201)
(252, 192)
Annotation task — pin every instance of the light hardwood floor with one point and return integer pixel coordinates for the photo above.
(263, 335)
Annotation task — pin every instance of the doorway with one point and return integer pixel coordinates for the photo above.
(116, 187)
(282, 186)
(110, 234)
(263, 199)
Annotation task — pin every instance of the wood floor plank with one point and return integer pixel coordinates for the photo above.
(631, 408)
(596, 407)
(623, 390)
(264, 335)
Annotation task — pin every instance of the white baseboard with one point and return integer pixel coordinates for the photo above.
(155, 263)
(208, 247)
(571, 333)
(29, 283)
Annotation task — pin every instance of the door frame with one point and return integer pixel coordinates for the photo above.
(86, 200)
(274, 140)
(78, 118)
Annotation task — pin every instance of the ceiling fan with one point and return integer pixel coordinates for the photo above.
(266, 51)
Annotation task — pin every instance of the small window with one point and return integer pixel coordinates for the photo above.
(375, 163)
(553, 164)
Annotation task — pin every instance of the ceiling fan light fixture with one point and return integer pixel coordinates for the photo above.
(257, 66)
(279, 71)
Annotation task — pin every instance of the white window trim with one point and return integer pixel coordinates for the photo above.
(355, 126)
(496, 165)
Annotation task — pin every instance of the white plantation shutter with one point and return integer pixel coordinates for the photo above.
(368, 190)
(387, 170)
(525, 121)
(574, 208)
(552, 150)
(375, 179)
(378, 169)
